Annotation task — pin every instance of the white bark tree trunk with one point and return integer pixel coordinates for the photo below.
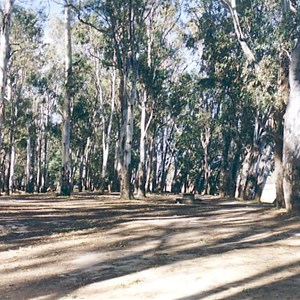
(12, 149)
(129, 74)
(28, 162)
(84, 165)
(30, 157)
(106, 126)
(291, 142)
(144, 125)
(4, 57)
(66, 112)
(142, 164)
(126, 140)
(39, 156)
(205, 141)
(45, 149)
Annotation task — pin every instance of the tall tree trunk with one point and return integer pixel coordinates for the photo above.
(11, 151)
(154, 155)
(291, 141)
(106, 131)
(126, 139)
(115, 183)
(262, 169)
(127, 105)
(45, 166)
(142, 163)
(11, 180)
(244, 173)
(205, 141)
(29, 163)
(164, 149)
(278, 152)
(150, 163)
(144, 127)
(45, 155)
(83, 170)
(4, 57)
(283, 83)
(225, 172)
(235, 168)
(127, 33)
(66, 112)
(39, 157)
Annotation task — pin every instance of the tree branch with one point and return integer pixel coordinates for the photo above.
(238, 31)
(79, 17)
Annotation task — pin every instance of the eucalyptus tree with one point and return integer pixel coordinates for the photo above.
(222, 105)
(4, 57)
(65, 187)
(282, 26)
(291, 158)
(104, 77)
(250, 183)
(290, 149)
(127, 28)
(45, 88)
(162, 32)
(86, 123)
(250, 23)
(24, 61)
(123, 26)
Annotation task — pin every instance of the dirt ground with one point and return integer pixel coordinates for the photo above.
(99, 247)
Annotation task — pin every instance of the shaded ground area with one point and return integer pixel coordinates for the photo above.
(99, 247)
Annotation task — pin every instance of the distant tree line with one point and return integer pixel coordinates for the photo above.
(147, 96)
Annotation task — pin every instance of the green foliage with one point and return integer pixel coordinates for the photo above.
(203, 115)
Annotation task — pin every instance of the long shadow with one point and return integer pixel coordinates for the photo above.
(23, 226)
(43, 224)
(275, 290)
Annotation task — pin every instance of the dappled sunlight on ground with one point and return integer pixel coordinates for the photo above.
(104, 248)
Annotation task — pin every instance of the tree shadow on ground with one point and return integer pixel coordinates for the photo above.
(40, 221)
(277, 289)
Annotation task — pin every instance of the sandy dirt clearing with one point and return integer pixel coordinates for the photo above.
(99, 247)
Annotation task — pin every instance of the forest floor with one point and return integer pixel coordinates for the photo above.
(99, 247)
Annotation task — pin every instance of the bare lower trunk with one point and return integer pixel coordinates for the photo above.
(28, 160)
(29, 164)
(162, 170)
(11, 162)
(154, 168)
(246, 184)
(205, 141)
(11, 175)
(114, 185)
(150, 164)
(45, 164)
(291, 142)
(278, 152)
(142, 164)
(263, 170)
(39, 159)
(225, 174)
(126, 191)
(11, 151)
(84, 166)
